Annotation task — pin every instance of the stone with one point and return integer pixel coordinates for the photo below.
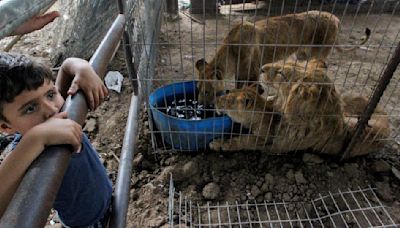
(190, 169)
(384, 191)
(286, 197)
(396, 172)
(157, 222)
(255, 191)
(165, 175)
(268, 196)
(269, 179)
(312, 159)
(138, 159)
(380, 166)
(290, 175)
(265, 187)
(351, 169)
(90, 125)
(211, 191)
(300, 178)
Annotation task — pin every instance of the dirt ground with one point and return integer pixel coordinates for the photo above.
(211, 177)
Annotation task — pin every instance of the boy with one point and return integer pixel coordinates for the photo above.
(29, 106)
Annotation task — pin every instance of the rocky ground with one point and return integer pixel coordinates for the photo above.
(210, 178)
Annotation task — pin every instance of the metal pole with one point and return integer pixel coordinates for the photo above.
(35, 195)
(122, 186)
(375, 98)
(13, 13)
(132, 73)
(172, 6)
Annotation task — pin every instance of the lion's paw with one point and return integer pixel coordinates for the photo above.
(216, 144)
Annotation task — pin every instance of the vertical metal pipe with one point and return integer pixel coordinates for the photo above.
(13, 13)
(172, 6)
(130, 67)
(375, 98)
(36, 193)
(122, 186)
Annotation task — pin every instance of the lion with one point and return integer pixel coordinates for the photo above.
(248, 46)
(376, 130)
(252, 111)
(308, 113)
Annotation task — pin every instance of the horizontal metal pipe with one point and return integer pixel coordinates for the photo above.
(108, 46)
(35, 195)
(122, 186)
(375, 98)
(14, 13)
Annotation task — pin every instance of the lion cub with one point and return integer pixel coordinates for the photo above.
(250, 45)
(312, 114)
(247, 107)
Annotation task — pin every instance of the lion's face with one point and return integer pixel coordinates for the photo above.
(281, 75)
(278, 75)
(240, 104)
(210, 82)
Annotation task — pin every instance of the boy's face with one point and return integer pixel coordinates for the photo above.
(31, 108)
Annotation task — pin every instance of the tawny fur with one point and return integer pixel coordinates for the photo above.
(312, 114)
(377, 129)
(247, 107)
(250, 45)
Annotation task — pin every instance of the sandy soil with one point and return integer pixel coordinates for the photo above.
(210, 177)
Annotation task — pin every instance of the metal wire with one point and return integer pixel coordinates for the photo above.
(360, 207)
(184, 40)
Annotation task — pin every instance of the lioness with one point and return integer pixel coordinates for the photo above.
(313, 115)
(250, 45)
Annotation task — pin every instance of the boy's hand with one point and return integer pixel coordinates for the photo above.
(59, 130)
(36, 23)
(85, 78)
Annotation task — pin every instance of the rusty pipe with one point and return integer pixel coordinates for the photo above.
(36, 193)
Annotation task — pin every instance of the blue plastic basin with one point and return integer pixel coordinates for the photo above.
(184, 134)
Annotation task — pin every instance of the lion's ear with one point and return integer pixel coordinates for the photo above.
(269, 70)
(200, 64)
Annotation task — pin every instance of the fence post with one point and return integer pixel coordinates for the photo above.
(172, 6)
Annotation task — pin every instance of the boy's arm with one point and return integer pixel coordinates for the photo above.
(55, 131)
(76, 74)
(14, 166)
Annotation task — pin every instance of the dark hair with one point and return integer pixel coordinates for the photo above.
(17, 74)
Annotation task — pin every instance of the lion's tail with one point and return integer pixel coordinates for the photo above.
(364, 39)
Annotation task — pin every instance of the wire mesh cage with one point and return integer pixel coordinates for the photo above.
(348, 208)
(299, 74)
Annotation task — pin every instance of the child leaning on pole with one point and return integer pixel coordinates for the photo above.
(30, 104)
